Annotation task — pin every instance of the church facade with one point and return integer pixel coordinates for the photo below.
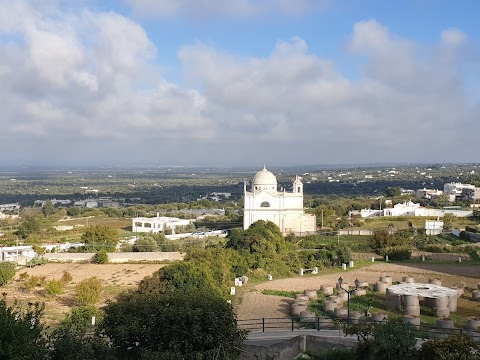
(284, 209)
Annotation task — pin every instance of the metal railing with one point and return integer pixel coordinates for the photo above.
(424, 331)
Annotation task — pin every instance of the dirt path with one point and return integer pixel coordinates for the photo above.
(255, 305)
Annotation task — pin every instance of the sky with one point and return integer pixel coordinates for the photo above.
(238, 82)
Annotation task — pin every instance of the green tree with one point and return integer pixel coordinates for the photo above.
(145, 244)
(178, 324)
(7, 272)
(48, 209)
(30, 225)
(453, 347)
(72, 333)
(393, 191)
(88, 291)
(21, 331)
(100, 237)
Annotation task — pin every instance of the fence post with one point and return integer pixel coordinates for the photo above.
(318, 323)
(292, 323)
(263, 324)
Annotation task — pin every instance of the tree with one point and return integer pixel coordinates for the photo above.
(30, 225)
(183, 325)
(72, 334)
(453, 347)
(448, 220)
(88, 291)
(7, 272)
(48, 209)
(100, 237)
(393, 191)
(21, 332)
(145, 244)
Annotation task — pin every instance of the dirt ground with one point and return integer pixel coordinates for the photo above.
(254, 305)
(115, 278)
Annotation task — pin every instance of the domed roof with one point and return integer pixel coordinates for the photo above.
(264, 177)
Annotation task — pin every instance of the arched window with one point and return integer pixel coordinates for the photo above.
(265, 204)
(299, 189)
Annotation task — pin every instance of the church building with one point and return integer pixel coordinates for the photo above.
(284, 209)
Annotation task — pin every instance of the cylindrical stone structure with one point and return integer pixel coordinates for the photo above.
(393, 302)
(356, 317)
(413, 310)
(476, 295)
(336, 299)
(312, 294)
(410, 300)
(441, 312)
(327, 289)
(435, 281)
(413, 320)
(340, 312)
(350, 263)
(478, 286)
(363, 284)
(387, 279)
(344, 266)
(452, 304)
(473, 323)
(381, 286)
(297, 309)
(444, 324)
(360, 292)
(307, 316)
(439, 302)
(301, 297)
(329, 306)
(408, 279)
(379, 316)
(343, 295)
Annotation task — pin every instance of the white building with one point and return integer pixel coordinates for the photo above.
(428, 193)
(454, 190)
(157, 224)
(433, 227)
(402, 209)
(284, 209)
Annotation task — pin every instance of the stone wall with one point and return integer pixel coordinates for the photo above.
(121, 257)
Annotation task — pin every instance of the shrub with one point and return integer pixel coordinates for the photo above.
(66, 277)
(23, 276)
(38, 260)
(54, 287)
(88, 291)
(7, 272)
(398, 253)
(100, 257)
(31, 282)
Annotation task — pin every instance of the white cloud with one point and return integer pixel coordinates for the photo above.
(87, 82)
(216, 8)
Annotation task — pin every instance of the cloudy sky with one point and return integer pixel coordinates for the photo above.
(238, 82)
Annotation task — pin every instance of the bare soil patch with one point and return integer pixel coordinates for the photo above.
(255, 305)
(115, 278)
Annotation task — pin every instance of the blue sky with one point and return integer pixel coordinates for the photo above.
(239, 82)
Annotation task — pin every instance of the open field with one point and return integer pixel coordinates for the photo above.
(256, 305)
(115, 278)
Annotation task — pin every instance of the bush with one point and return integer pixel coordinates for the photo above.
(7, 272)
(66, 277)
(31, 282)
(398, 253)
(88, 291)
(100, 257)
(37, 261)
(54, 287)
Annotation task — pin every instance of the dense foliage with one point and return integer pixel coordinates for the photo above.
(100, 237)
(177, 323)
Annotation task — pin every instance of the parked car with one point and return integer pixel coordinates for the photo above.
(209, 232)
(197, 233)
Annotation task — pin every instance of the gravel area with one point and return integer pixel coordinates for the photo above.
(255, 305)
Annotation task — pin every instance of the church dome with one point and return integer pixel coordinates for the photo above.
(264, 177)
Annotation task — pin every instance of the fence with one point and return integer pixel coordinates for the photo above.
(424, 331)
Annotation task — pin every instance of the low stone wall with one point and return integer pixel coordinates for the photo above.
(122, 257)
(291, 348)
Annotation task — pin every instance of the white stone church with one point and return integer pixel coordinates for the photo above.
(284, 209)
